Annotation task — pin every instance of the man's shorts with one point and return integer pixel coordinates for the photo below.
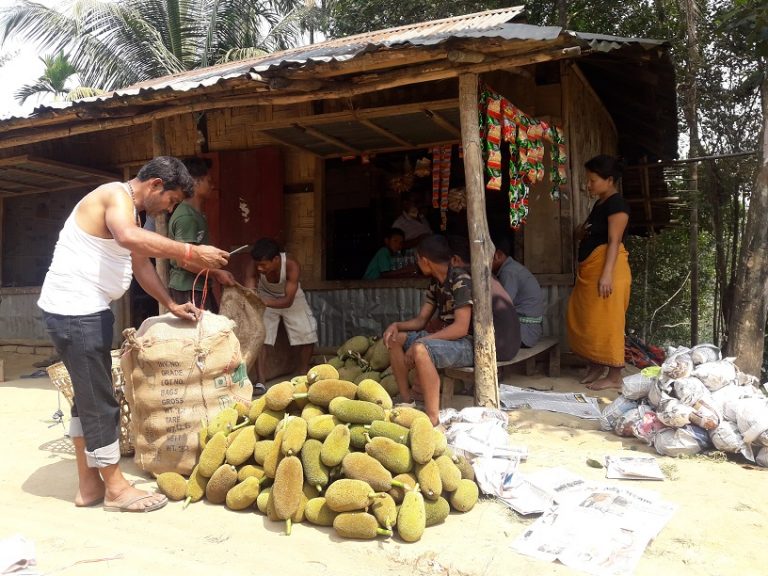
(445, 353)
(300, 323)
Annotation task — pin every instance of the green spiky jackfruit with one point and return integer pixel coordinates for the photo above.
(310, 411)
(173, 485)
(379, 355)
(350, 373)
(371, 391)
(355, 345)
(323, 372)
(263, 499)
(261, 449)
(213, 454)
(241, 448)
(322, 392)
(389, 383)
(429, 479)
(422, 440)
(405, 415)
(355, 411)
(358, 436)
(294, 435)
(389, 430)
(287, 489)
(320, 426)
(223, 479)
(315, 472)
(336, 362)
(195, 486)
(360, 466)
(266, 423)
(275, 454)
(317, 512)
(244, 494)
(412, 517)
(257, 407)
(250, 471)
(279, 395)
(465, 466)
(335, 446)
(441, 442)
(358, 525)
(408, 481)
(368, 375)
(385, 511)
(465, 497)
(348, 495)
(394, 456)
(450, 475)
(436, 511)
(225, 420)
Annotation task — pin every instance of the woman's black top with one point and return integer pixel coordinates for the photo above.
(596, 227)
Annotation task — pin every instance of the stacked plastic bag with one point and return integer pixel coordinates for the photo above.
(694, 401)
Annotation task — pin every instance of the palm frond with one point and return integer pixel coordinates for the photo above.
(81, 92)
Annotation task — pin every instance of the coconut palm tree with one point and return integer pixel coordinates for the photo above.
(115, 43)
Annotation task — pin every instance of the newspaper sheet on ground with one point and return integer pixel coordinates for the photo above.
(538, 491)
(573, 403)
(633, 468)
(602, 532)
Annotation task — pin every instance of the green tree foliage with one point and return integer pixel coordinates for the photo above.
(118, 43)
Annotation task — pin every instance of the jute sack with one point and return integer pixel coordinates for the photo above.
(177, 374)
(246, 309)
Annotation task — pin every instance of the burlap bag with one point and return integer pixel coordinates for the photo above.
(246, 309)
(177, 374)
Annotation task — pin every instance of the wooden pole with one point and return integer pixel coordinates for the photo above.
(159, 148)
(481, 247)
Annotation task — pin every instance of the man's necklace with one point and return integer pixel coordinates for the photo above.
(133, 202)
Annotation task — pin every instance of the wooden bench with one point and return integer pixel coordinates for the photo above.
(550, 346)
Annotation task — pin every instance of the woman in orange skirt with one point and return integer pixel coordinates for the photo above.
(599, 301)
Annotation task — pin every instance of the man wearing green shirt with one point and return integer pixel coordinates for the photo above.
(382, 264)
(188, 224)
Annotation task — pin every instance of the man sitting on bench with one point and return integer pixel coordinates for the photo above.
(524, 290)
(448, 345)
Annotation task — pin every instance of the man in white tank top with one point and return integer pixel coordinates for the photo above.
(275, 275)
(101, 246)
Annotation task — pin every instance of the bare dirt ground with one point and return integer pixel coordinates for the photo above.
(720, 528)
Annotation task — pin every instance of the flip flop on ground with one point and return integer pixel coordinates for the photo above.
(131, 505)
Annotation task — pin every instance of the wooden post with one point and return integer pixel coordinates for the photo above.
(159, 148)
(481, 247)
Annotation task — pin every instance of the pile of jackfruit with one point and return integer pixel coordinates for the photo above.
(331, 452)
(363, 358)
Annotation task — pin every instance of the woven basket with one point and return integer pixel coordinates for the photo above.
(61, 380)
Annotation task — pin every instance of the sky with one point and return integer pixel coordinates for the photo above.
(25, 68)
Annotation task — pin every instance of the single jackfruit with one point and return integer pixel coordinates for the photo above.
(320, 426)
(336, 362)
(441, 442)
(195, 486)
(213, 454)
(358, 525)
(267, 422)
(173, 485)
(389, 430)
(278, 396)
(202, 436)
(465, 497)
(405, 415)
(347, 495)
(358, 436)
(412, 517)
(322, 372)
(242, 410)
(323, 391)
(389, 383)
(250, 471)
(360, 466)
(241, 448)
(287, 489)
(300, 388)
(394, 456)
(257, 407)
(385, 510)
(465, 466)
(225, 421)
(294, 435)
(429, 479)
(367, 375)
(449, 473)
(336, 445)
(273, 457)
(263, 499)
(318, 513)
(408, 481)
(309, 491)
(355, 411)
(422, 440)
(379, 358)
(244, 494)
(298, 516)
(355, 345)
(371, 391)
(261, 449)
(223, 479)
(437, 511)
(315, 472)
(311, 410)
(350, 373)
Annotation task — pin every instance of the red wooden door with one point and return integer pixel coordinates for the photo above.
(248, 203)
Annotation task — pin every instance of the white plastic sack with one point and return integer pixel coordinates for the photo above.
(690, 390)
(684, 441)
(702, 353)
(658, 393)
(648, 426)
(762, 457)
(751, 417)
(636, 386)
(671, 412)
(678, 365)
(614, 410)
(715, 375)
(726, 437)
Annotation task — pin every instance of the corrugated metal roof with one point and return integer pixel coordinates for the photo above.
(488, 24)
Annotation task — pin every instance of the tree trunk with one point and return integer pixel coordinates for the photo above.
(746, 328)
(481, 248)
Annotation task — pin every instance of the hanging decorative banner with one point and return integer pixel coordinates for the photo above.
(500, 121)
(441, 177)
